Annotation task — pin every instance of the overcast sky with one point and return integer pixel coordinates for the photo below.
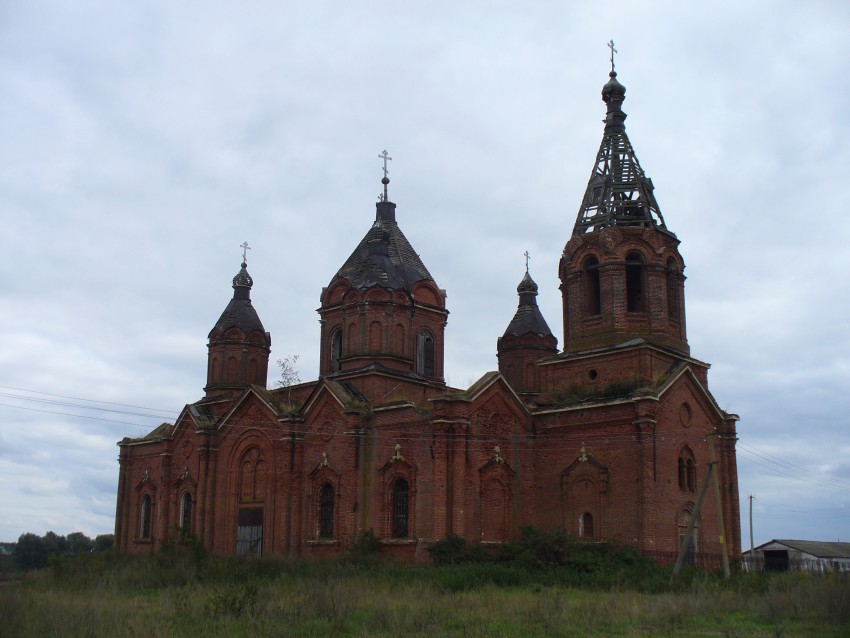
(142, 142)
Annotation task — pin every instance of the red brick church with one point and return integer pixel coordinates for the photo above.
(608, 439)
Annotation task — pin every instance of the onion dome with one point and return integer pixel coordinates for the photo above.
(528, 318)
(240, 312)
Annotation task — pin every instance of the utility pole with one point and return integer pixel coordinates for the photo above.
(710, 473)
(719, 505)
(687, 538)
(751, 497)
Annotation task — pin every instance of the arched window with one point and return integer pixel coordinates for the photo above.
(692, 475)
(326, 511)
(672, 289)
(145, 518)
(635, 294)
(401, 493)
(592, 292)
(585, 525)
(186, 513)
(687, 471)
(336, 349)
(425, 354)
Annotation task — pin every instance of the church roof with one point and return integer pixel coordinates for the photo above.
(528, 318)
(618, 193)
(384, 256)
(240, 312)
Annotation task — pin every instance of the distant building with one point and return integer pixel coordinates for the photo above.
(607, 439)
(781, 555)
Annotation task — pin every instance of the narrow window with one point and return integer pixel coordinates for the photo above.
(593, 297)
(585, 525)
(186, 514)
(425, 354)
(400, 504)
(692, 475)
(672, 289)
(326, 511)
(336, 349)
(635, 296)
(687, 471)
(145, 518)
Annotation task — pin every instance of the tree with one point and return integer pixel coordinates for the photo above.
(79, 542)
(31, 552)
(102, 542)
(288, 375)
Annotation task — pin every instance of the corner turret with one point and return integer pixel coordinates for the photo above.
(239, 346)
(526, 340)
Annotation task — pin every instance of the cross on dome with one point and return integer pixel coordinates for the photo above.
(386, 180)
(613, 51)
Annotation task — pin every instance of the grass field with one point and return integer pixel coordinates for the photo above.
(190, 594)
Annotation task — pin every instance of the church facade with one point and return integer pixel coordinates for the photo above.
(608, 439)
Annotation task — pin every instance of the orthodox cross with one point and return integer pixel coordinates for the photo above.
(527, 257)
(245, 248)
(613, 51)
(384, 156)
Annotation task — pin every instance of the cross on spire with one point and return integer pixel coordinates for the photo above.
(386, 180)
(245, 248)
(385, 156)
(613, 51)
(527, 257)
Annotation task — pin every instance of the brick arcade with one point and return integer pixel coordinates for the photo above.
(607, 439)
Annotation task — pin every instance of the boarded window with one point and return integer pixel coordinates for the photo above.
(425, 354)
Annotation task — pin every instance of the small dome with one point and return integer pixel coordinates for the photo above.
(243, 279)
(527, 285)
(613, 87)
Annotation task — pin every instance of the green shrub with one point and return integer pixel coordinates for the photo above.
(455, 550)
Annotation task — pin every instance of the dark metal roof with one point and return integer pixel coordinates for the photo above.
(528, 317)
(618, 193)
(240, 312)
(384, 256)
(821, 549)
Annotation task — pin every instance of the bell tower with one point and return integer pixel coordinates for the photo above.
(238, 346)
(622, 277)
